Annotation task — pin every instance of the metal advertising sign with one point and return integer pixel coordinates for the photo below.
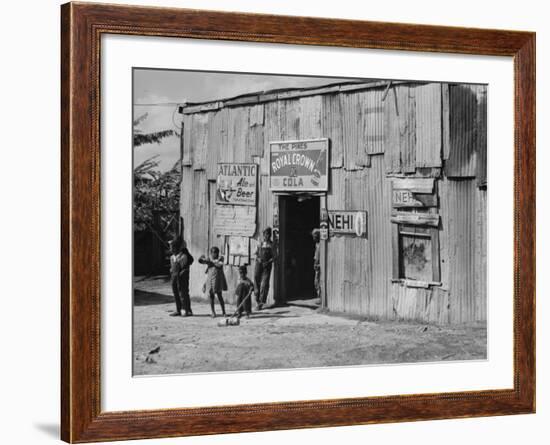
(347, 222)
(236, 184)
(300, 166)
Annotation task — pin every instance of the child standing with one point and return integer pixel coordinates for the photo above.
(265, 254)
(244, 290)
(180, 262)
(215, 278)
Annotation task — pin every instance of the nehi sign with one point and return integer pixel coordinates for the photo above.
(344, 222)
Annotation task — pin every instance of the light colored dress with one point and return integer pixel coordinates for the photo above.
(215, 278)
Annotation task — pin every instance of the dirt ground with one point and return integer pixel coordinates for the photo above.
(294, 336)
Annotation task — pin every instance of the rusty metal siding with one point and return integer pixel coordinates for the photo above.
(364, 132)
(461, 197)
(406, 100)
(481, 140)
(217, 142)
(481, 256)
(237, 134)
(332, 128)
(310, 117)
(199, 140)
(355, 261)
(336, 245)
(272, 132)
(428, 125)
(196, 228)
(353, 148)
(187, 147)
(255, 136)
(462, 114)
(374, 121)
(378, 205)
(360, 269)
(442, 190)
(392, 152)
(289, 119)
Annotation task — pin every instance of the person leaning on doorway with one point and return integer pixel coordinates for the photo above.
(265, 255)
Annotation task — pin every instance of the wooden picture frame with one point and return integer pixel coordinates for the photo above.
(82, 26)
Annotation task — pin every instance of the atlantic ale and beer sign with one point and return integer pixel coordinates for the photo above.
(236, 184)
(300, 166)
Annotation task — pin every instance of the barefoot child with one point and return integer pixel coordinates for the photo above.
(215, 278)
(244, 290)
(180, 261)
(265, 254)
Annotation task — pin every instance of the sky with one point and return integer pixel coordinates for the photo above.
(157, 92)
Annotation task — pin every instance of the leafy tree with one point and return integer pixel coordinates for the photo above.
(153, 190)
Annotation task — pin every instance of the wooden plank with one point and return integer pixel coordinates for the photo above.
(407, 199)
(201, 108)
(429, 219)
(415, 185)
(239, 101)
(436, 275)
(395, 251)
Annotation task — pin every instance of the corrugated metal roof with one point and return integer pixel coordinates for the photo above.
(291, 93)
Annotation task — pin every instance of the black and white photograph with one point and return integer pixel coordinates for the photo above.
(287, 222)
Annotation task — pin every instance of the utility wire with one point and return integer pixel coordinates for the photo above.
(160, 104)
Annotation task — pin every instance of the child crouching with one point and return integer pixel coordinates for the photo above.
(243, 292)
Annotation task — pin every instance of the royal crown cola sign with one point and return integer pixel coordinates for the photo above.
(300, 166)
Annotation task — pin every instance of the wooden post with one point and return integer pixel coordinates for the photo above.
(180, 219)
(323, 259)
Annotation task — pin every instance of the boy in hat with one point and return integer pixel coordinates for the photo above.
(243, 292)
(215, 278)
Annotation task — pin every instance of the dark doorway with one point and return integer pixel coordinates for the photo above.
(299, 215)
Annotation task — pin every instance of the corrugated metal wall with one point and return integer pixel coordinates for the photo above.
(412, 130)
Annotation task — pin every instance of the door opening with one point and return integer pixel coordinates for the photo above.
(299, 215)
